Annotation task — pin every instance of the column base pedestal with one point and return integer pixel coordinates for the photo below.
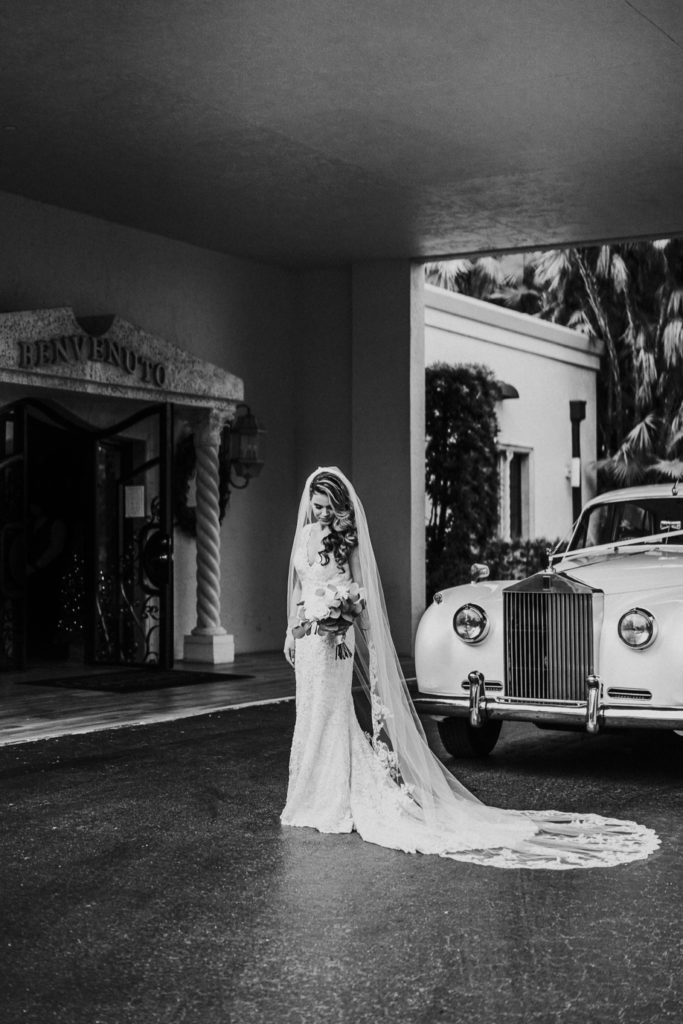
(210, 650)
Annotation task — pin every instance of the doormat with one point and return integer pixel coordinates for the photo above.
(132, 680)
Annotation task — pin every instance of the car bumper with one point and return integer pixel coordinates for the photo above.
(571, 714)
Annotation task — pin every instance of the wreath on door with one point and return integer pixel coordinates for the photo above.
(184, 469)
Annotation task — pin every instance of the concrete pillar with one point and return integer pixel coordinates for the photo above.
(322, 378)
(388, 430)
(209, 641)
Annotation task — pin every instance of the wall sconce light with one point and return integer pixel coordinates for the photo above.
(243, 444)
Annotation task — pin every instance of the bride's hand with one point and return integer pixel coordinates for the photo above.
(290, 647)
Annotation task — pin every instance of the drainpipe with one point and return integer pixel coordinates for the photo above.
(577, 413)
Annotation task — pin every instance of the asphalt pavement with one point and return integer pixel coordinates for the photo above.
(146, 878)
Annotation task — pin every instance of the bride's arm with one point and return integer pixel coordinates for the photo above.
(296, 598)
(290, 642)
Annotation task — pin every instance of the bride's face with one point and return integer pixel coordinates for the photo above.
(321, 507)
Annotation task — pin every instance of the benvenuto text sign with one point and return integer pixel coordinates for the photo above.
(72, 349)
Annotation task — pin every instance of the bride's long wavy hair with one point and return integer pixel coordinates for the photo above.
(343, 535)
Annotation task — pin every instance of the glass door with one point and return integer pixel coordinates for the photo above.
(132, 568)
(12, 538)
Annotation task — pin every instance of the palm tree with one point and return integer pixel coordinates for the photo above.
(481, 278)
(629, 296)
(577, 285)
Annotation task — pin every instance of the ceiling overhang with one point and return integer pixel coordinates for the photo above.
(322, 133)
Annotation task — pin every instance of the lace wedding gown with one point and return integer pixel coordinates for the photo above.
(342, 779)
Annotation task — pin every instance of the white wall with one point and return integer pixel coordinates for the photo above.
(549, 366)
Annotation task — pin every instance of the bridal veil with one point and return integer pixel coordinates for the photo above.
(439, 813)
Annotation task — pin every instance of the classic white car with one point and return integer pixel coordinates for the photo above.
(593, 642)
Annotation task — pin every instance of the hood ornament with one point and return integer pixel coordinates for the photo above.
(479, 571)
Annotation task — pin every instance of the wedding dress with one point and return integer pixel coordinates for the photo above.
(388, 785)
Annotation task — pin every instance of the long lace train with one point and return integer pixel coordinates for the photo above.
(341, 781)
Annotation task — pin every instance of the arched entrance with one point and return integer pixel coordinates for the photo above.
(106, 476)
(86, 573)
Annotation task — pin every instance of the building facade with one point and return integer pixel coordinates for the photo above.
(102, 323)
(545, 367)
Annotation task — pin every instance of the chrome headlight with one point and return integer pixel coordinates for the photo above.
(471, 623)
(637, 628)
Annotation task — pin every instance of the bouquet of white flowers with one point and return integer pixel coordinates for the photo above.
(331, 610)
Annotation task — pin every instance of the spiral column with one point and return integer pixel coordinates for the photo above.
(209, 642)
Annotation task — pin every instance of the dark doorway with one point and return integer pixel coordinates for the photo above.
(86, 570)
(59, 486)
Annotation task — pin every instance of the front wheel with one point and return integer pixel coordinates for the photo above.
(464, 740)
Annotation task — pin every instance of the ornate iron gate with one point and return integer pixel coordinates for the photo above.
(133, 558)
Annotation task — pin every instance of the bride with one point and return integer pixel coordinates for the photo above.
(387, 784)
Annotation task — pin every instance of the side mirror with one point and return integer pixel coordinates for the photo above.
(478, 572)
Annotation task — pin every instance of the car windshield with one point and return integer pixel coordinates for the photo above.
(616, 521)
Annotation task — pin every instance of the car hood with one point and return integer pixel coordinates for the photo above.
(625, 571)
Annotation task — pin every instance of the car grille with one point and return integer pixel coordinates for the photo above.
(548, 644)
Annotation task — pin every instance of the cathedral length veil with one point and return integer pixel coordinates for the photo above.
(438, 814)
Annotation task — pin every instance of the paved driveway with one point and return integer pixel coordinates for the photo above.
(146, 879)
